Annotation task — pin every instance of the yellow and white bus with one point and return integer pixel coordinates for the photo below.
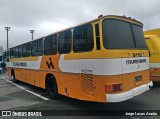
(153, 42)
(104, 60)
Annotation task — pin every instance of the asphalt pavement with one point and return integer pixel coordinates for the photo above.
(22, 96)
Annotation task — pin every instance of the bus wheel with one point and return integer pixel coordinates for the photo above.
(52, 88)
(13, 77)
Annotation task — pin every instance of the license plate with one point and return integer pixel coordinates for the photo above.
(138, 78)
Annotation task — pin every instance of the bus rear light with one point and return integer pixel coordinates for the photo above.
(113, 87)
(109, 88)
(117, 87)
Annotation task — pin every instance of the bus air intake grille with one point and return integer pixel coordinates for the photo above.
(87, 81)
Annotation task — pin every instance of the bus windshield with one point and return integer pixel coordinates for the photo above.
(119, 34)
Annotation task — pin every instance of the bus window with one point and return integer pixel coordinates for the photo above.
(50, 45)
(11, 53)
(37, 47)
(98, 46)
(26, 50)
(34, 48)
(23, 50)
(19, 52)
(139, 37)
(40, 46)
(16, 52)
(64, 43)
(117, 34)
(83, 38)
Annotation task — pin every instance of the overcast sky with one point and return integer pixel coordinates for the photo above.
(48, 16)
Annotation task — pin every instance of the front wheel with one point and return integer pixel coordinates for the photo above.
(52, 88)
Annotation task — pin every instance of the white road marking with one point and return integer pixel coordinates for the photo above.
(44, 98)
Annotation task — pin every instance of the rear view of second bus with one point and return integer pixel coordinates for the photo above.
(153, 42)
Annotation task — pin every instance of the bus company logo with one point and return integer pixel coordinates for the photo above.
(20, 64)
(137, 61)
(50, 64)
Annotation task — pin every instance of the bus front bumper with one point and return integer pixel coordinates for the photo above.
(129, 94)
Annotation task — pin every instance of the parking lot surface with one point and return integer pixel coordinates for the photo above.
(22, 96)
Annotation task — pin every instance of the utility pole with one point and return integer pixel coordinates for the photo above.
(7, 29)
(32, 31)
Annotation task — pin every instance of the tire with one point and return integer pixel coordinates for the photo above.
(14, 78)
(52, 88)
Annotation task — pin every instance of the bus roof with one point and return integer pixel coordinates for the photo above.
(124, 18)
(129, 19)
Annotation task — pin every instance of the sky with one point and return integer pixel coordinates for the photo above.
(49, 16)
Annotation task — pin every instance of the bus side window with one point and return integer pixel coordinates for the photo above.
(12, 53)
(50, 45)
(37, 47)
(97, 37)
(40, 47)
(16, 52)
(64, 42)
(26, 50)
(83, 38)
(19, 52)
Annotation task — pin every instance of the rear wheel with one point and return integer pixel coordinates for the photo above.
(52, 88)
(13, 77)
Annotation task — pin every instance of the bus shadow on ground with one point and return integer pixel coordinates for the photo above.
(156, 85)
(35, 89)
